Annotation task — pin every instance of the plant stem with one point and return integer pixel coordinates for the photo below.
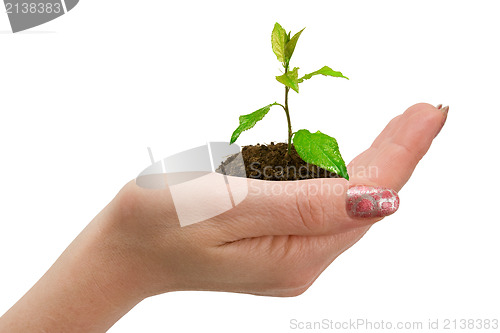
(287, 111)
(288, 120)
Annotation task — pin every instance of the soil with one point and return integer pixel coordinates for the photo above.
(271, 162)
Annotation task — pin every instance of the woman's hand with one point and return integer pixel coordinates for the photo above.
(284, 234)
(276, 242)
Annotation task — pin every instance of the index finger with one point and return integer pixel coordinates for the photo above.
(397, 150)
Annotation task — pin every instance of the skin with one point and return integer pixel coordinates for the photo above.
(270, 244)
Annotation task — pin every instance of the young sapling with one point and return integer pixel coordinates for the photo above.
(315, 148)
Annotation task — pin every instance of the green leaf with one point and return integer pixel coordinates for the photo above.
(321, 150)
(327, 71)
(290, 79)
(290, 46)
(248, 121)
(278, 40)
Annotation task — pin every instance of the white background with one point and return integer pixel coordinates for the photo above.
(82, 97)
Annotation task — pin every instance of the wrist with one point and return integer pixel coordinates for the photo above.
(87, 289)
(103, 264)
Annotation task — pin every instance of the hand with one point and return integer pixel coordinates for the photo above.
(283, 235)
(276, 242)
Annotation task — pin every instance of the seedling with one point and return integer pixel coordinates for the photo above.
(314, 148)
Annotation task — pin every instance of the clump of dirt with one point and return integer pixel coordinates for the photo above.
(271, 162)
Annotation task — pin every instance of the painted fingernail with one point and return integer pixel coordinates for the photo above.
(439, 106)
(445, 113)
(371, 201)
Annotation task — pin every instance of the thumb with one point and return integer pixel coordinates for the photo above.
(307, 207)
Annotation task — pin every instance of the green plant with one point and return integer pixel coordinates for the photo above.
(314, 148)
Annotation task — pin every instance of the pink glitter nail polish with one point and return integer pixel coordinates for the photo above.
(371, 201)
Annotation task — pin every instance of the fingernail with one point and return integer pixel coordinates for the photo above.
(439, 106)
(445, 113)
(371, 201)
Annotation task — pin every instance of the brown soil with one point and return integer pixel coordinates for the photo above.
(271, 162)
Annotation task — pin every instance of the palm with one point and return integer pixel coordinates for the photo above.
(394, 154)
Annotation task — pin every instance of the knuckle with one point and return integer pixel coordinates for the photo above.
(127, 200)
(310, 207)
(132, 201)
